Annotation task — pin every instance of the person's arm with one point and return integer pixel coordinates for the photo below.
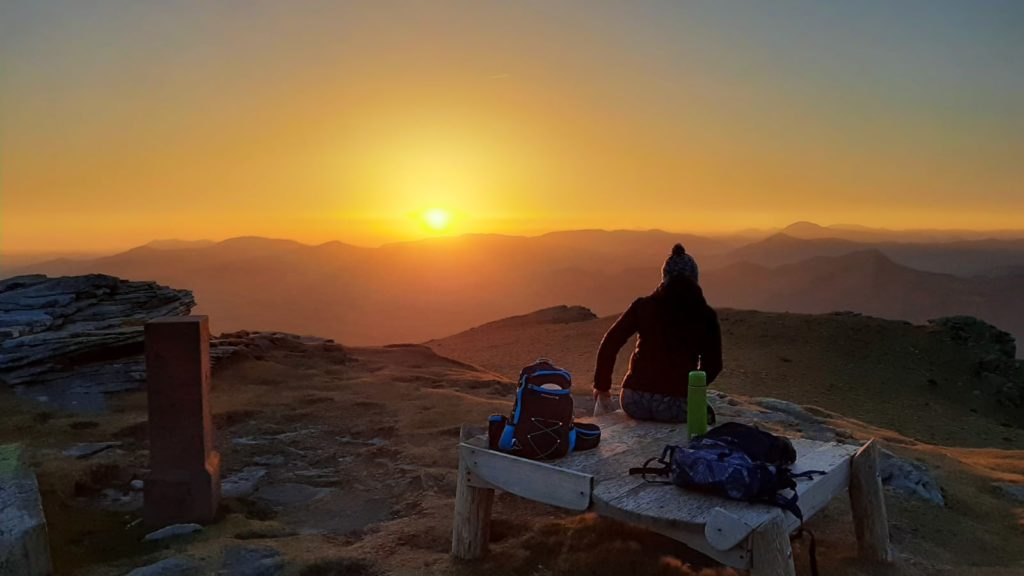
(612, 342)
(711, 353)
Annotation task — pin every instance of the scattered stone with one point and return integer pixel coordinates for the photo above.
(272, 460)
(290, 494)
(241, 560)
(909, 478)
(24, 548)
(118, 501)
(370, 442)
(173, 566)
(248, 441)
(137, 484)
(86, 449)
(243, 483)
(171, 531)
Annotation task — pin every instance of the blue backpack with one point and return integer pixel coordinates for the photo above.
(541, 425)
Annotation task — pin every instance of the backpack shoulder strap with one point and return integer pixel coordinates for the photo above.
(664, 470)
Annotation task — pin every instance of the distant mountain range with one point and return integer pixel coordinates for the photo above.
(414, 291)
(857, 233)
(990, 257)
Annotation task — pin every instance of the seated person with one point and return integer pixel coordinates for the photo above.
(675, 328)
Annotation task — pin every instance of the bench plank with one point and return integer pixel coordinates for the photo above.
(527, 478)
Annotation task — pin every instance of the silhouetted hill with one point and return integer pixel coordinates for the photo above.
(174, 244)
(782, 248)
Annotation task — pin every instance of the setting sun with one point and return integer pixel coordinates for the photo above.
(437, 219)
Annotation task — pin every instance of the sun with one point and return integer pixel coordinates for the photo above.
(437, 219)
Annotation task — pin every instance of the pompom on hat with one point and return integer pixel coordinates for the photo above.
(679, 263)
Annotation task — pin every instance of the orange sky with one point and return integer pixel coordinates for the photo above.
(122, 123)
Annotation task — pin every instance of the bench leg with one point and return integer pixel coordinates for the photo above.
(770, 552)
(472, 524)
(868, 505)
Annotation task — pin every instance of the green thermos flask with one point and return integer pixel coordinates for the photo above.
(697, 402)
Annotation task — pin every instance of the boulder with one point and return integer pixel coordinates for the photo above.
(909, 478)
(24, 547)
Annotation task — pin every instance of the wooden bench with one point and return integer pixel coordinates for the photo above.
(738, 534)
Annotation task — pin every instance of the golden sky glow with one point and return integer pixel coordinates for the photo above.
(125, 122)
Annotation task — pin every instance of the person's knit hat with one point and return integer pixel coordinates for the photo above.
(679, 263)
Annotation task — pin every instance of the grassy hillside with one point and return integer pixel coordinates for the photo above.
(912, 379)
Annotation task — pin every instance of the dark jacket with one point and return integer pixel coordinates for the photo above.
(675, 326)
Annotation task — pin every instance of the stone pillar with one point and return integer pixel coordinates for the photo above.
(184, 479)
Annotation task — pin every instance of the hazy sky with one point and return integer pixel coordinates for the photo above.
(125, 121)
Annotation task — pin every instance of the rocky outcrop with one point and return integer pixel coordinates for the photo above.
(1000, 373)
(254, 344)
(78, 330)
(67, 341)
(997, 345)
(909, 477)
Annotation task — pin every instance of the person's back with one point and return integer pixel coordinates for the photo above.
(675, 329)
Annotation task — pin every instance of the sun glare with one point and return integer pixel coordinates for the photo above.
(437, 219)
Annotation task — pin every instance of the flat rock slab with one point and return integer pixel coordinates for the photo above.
(87, 449)
(173, 566)
(171, 531)
(243, 483)
(252, 561)
(290, 494)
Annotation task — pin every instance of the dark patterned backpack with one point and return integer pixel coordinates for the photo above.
(541, 424)
(738, 462)
(733, 460)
